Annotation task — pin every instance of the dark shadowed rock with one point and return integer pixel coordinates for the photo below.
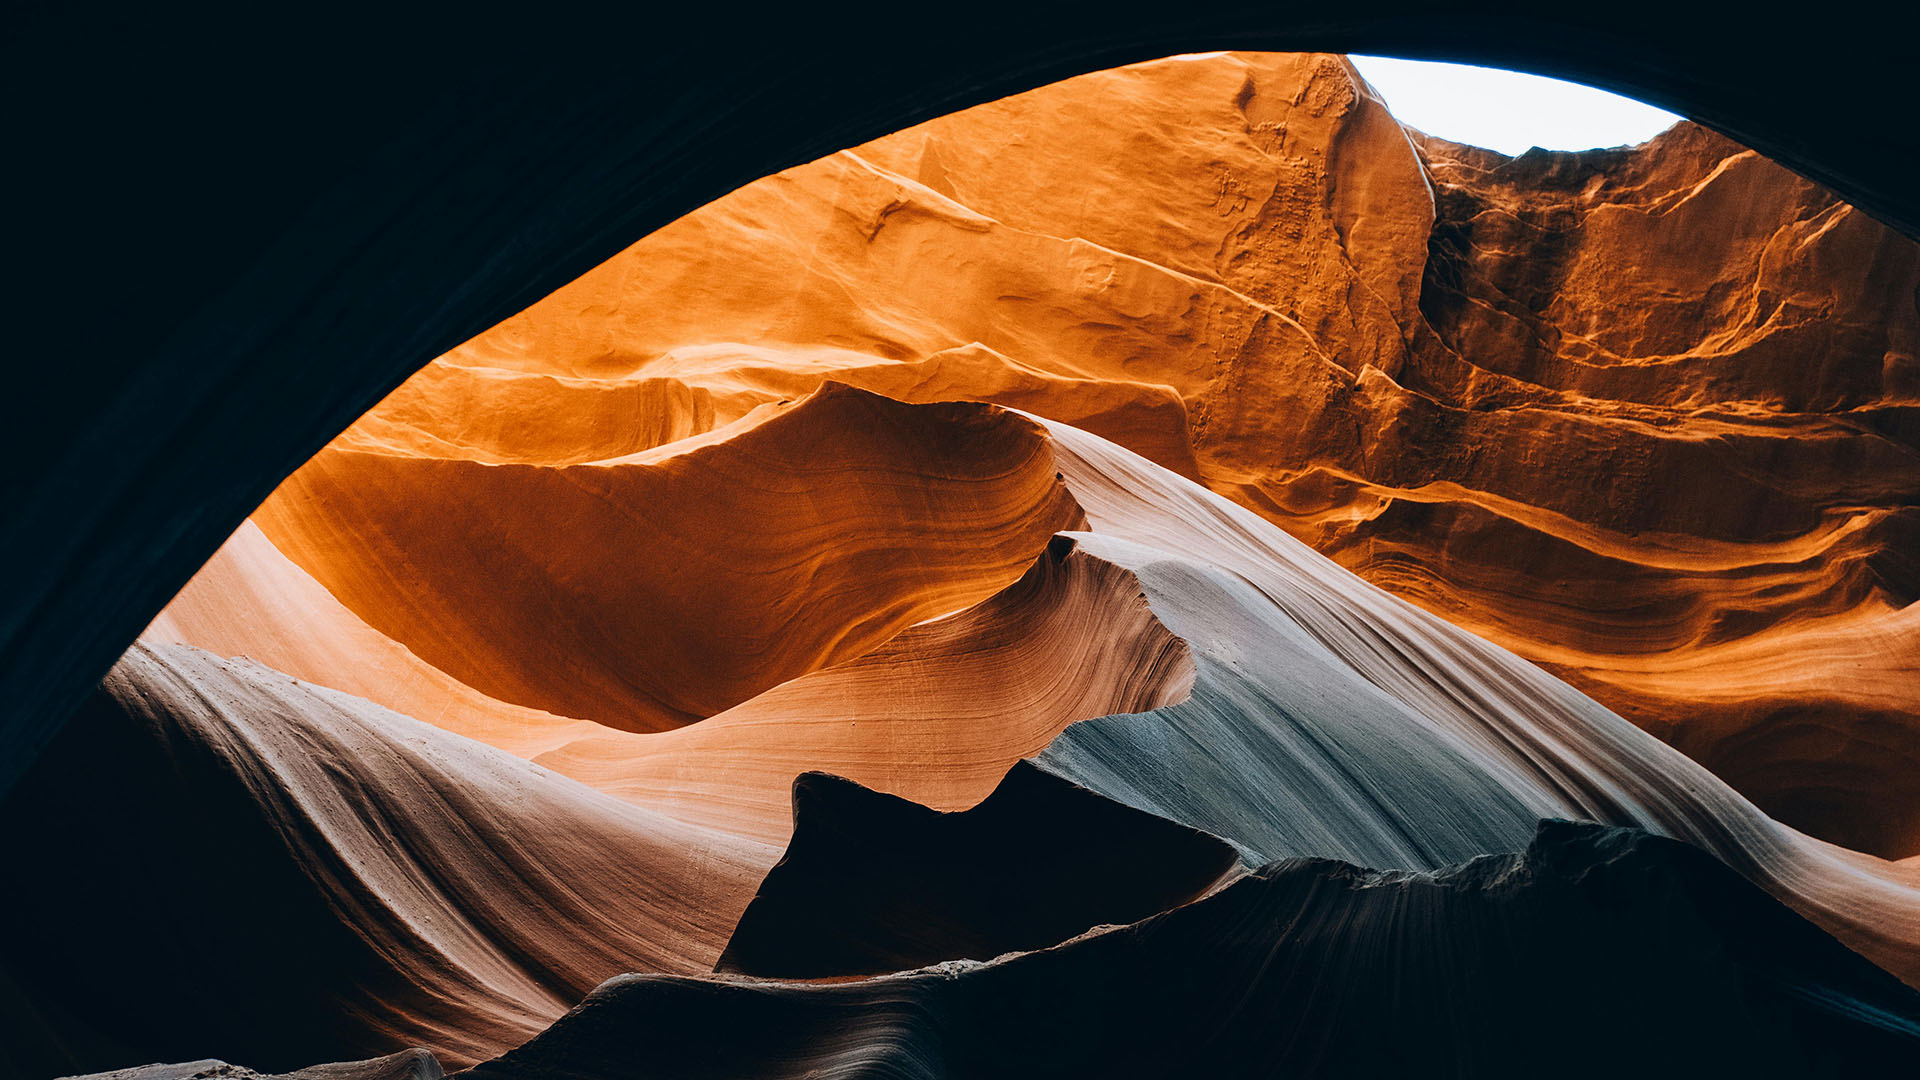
(415, 1064)
(873, 883)
(1596, 952)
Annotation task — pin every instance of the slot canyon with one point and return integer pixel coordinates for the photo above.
(1164, 571)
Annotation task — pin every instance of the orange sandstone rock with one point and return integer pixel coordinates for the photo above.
(647, 591)
(1642, 415)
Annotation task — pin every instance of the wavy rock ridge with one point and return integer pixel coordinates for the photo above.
(679, 607)
(1642, 415)
(532, 656)
(1278, 703)
(319, 877)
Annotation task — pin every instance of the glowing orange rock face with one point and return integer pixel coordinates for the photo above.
(1635, 414)
(645, 591)
(1174, 653)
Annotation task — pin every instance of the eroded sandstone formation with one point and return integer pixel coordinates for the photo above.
(1280, 704)
(1148, 500)
(1640, 415)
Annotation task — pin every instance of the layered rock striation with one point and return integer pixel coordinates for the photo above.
(1183, 677)
(1643, 415)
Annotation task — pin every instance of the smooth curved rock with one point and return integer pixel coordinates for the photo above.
(684, 602)
(1279, 703)
(937, 715)
(1329, 717)
(1638, 414)
(251, 601)
(286, 873)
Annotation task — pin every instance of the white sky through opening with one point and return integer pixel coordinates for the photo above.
(1506, 110)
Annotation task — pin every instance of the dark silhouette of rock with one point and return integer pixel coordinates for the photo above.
(1596, 952)
(872, 883)
(404, 1065)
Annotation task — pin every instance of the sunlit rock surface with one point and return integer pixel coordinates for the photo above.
(1642, 415)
